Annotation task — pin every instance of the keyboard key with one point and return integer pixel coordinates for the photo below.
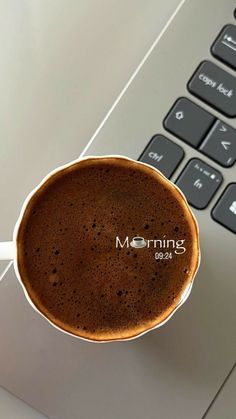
(224, 47)
(163, 154)
(188, 121)
(220, 144)
(225, 210)
(199, 182)
(216, 87)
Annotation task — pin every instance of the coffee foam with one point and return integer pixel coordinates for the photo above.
(67, 257)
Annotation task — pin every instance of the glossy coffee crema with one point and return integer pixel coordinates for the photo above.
(106, 247)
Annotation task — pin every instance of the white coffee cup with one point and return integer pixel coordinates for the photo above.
(8, 250)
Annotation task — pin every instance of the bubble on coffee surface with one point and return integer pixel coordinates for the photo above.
(69, 261)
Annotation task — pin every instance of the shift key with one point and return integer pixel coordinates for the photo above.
(216, 87)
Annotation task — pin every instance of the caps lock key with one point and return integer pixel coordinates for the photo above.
(216, 87)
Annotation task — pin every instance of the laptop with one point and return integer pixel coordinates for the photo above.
(177, 113)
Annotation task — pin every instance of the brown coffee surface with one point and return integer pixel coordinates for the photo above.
(68, 259)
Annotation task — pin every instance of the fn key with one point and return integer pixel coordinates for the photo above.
(199, 182)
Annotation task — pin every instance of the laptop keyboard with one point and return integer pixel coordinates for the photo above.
(201, 130)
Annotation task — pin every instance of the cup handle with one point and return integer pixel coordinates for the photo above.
(7, 250)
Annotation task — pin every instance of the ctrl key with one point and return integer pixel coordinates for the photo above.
(163, 154)
(224, 211)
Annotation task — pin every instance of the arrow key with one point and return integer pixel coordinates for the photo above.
(220, 144)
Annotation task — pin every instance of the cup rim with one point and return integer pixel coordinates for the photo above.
(186, 291)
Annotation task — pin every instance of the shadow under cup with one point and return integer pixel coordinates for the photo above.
(107, 248)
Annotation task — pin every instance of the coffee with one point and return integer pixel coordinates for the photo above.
(99, 248)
